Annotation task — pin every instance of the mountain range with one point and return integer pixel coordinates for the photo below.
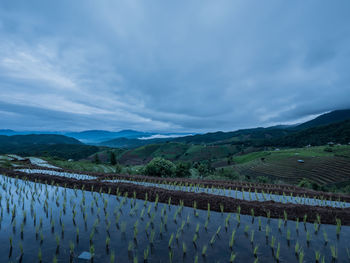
(332, 126)
(257, 136)
(95, 137)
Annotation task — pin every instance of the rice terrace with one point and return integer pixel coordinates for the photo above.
(174, 131)
(54, 214)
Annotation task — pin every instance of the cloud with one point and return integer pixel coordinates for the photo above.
(162, 136)
(181, 66)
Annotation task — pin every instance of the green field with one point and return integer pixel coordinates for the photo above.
(322, 167)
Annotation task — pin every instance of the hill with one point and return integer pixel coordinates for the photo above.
(325, 119)
(336, 132)
(46, 145)
(280, 133)
(173, 151)
(64, 151)
(236, 137)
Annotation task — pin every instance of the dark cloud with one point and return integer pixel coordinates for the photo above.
(179, 66)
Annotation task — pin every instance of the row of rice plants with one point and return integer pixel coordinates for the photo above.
(47, 223)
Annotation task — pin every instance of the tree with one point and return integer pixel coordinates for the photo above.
(96, 159)
(118, 169)
(205, 168)
(308, 184)
(182, 170)
(160, 167)
(112, 158)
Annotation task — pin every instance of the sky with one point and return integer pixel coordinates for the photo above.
(171, 66)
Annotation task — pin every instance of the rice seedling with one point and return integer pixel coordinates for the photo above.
(267, 231)
(206, 224)
(146, 254)
(108, 241)
(204, 250)
(232, 239)
(41, 237)
(246, 229)
(277, 255)
(195, 237)
(40, 255)
(11, 240)
(21, 248)
(212, 240)
(273, 240)
(252, 236)
(288, 236)
(57, 238)
(325, 237)
(305, 218)
(338, 228)
(170, 240)
(285, 216)
(152, 237)
(279, 224)
(301, 256)
(92, 251)
(334, 252)
(308, 237)
(184, 248)
(317, 256)
(232, 257)
(218, 231)
(255, 251)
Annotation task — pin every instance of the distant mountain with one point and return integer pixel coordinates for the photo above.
(36, 139)
(7, 132)
(325, 119)
(95, 137)
(131, 138)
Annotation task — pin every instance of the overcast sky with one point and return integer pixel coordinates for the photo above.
(190, 66)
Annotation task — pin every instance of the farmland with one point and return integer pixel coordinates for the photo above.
(51, 214)
(326, 167)
(320, 166)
